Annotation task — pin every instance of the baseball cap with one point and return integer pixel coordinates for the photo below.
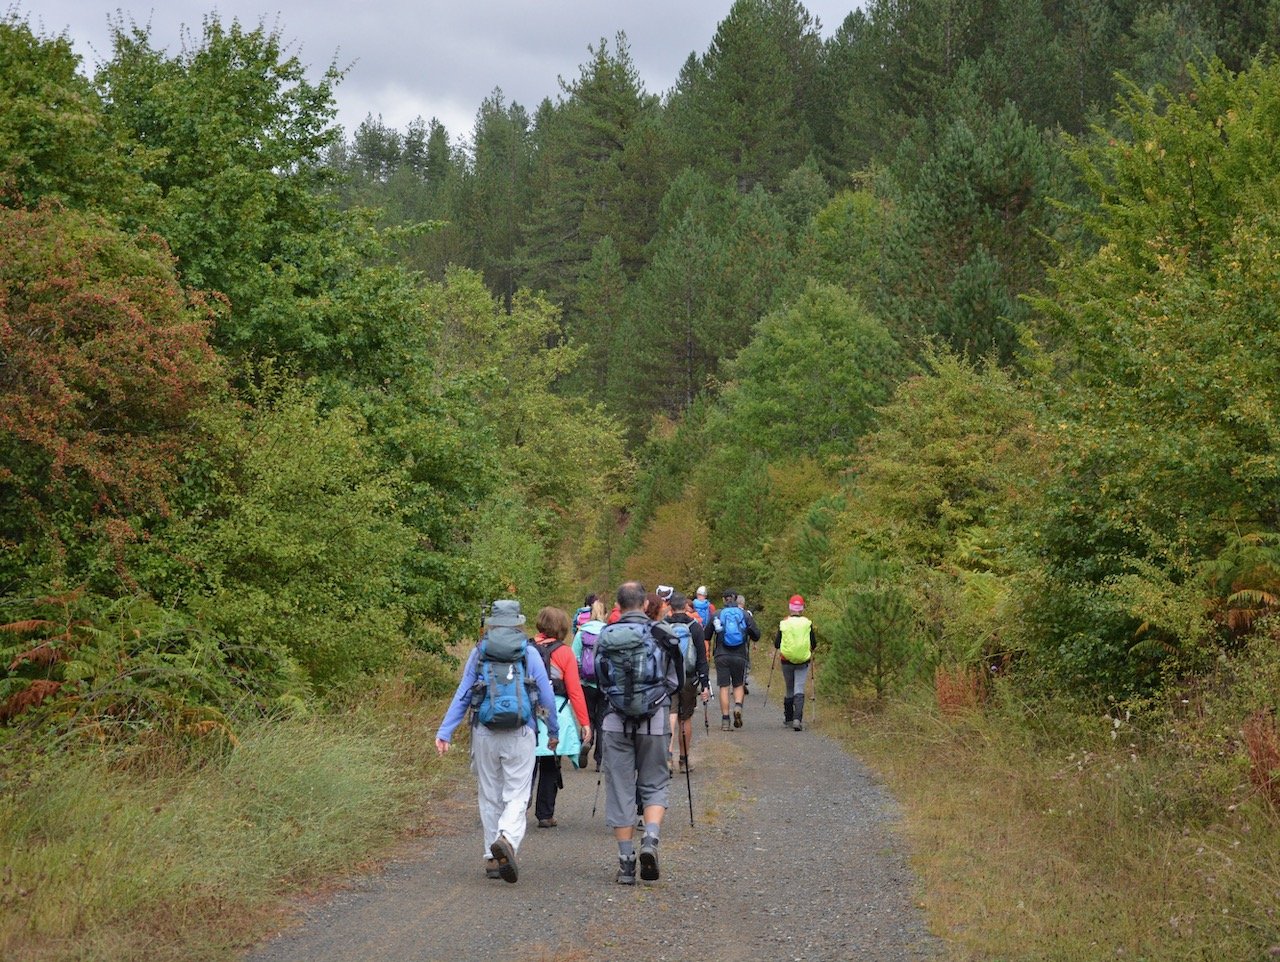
(796, 603)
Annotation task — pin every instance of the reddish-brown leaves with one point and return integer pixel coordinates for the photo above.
(30, 697)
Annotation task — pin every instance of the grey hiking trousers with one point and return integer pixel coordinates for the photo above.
(631, 763)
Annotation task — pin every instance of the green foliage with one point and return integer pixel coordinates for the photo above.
(1166, 412)
(296, 548)
(868, 624)
(55, 142)
(809, 381)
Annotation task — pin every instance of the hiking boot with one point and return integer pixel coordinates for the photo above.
(505, 855)
(547, 822)
(798, 725)
(491, 868)
(737, 716)
(649, 858)
(626, 871)
(684, 764)
(724, 724)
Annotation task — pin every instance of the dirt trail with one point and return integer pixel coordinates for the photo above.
(792, 857)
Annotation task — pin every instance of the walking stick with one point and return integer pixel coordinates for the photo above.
(596, 800)
(814, 718)
(688, 779)
(770, 685)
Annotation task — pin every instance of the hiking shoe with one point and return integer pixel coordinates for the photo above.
(798, 725)
(684, 764)
(649, 859)
(724, 724)
(491, 868)
(505, 856)
(547, 823)
(583, 756)
(737, 716)
(626, 871)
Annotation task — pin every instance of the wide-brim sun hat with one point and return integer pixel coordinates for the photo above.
(505, 613)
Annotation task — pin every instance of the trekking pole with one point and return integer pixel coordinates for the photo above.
(595, 801)
(770, 684)
(813, 719)
(688, 779)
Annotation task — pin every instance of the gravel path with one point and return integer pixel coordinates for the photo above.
(793, 857)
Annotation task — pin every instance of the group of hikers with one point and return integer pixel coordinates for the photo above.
(623, 690)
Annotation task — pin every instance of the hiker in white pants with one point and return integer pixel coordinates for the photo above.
(502, 754)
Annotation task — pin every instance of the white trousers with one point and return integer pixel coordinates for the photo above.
(503, 763)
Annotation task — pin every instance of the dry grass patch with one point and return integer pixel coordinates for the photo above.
(1070, 838)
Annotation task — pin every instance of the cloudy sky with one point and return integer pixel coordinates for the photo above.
(430, 58)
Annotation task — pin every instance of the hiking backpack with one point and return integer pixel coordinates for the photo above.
(587, 659)
(553, 671)
(733, 626)
(703, 607)
(631, 669)
(684, 637)
(581, 616)
(503, 695)
(795, 640)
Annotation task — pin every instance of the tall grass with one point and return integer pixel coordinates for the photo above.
(113, 857)
(1042, 833)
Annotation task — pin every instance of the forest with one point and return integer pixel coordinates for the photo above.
(961, 322)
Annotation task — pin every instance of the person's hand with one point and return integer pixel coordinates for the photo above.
(553, 744)
(585, 732)
(706, 695)
(442, 746)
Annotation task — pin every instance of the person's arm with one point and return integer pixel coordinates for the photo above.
(813, 638)
(753, 630)
(777, 641)
(457, 709)
(546, 697)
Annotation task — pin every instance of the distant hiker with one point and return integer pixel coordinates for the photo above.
(697, 678)
(706, 610)
(583, 614)
(571, 707)
(584, 650)
(746, 679)
(637, 667)
(500, 683)
(733, 628)
(795, 643)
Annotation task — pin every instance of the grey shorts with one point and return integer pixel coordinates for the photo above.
(633, 763)
(731, 668)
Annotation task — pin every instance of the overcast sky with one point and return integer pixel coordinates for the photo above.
(431, 58)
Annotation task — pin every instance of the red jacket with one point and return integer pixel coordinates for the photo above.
(562, 658)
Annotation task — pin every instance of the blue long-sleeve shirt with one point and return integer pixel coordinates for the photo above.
(533, 669)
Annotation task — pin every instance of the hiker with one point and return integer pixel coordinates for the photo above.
(706, 611)
(733, 627)
(583, 614)
(584, 642)
(638, 666)
(697, 678)
(795, 643)
(571, 707)
(498, 684)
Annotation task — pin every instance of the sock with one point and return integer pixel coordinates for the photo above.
(627, 850)
(651, 829)
(737, 706)
(724, 717)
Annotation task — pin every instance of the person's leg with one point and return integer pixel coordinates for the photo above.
(802, 676)
(788, 703)
(653, 782)
(620, 800)
(739, 693)
(517, 769)
(487, 765)
(548, 785)
(724, 679)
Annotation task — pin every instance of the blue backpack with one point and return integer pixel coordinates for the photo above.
(733, 626)
(631, 670)
(503, 695)
(703, 607)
